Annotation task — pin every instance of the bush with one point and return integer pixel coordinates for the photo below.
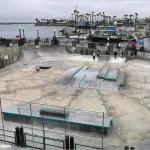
(68, 49)
(81, 51)
(86, 51)
(91, 52)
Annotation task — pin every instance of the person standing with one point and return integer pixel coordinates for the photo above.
(98, 53)
(122, 53)
(94, 56)
(115, 54)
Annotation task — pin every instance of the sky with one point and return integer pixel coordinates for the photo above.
(28, 10)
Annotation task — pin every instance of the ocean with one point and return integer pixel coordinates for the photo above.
(11, 31)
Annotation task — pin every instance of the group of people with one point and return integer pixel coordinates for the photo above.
(115, 54)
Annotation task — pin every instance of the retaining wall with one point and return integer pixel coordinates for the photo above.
(83, 50)
(9, 55)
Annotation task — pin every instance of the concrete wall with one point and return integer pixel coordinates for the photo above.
(83, 50)
(12, 53)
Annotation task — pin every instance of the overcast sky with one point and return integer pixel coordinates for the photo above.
(28, 10)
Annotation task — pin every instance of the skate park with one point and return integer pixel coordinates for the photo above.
(127, 105)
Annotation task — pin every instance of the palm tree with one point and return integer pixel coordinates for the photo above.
(103, 16)
(131, 17)
(114, 18)
(72, 16)
(136, 14)
(75, 12)
(37, 20)
(104, 19)
(99, 17)
(109, 19)
(125, 17)
(92, 17)
(97, 20)
(88, 17)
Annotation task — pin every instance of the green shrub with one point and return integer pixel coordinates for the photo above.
(81, 51)
(86, 51)
(91, 52)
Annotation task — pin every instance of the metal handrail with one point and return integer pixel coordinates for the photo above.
(76, 144)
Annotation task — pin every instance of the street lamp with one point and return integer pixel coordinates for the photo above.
(19, 44)
(23, 32)
(24, 41)
(20, 32)
(38, 37)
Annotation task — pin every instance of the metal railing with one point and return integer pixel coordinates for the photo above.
(40, 136)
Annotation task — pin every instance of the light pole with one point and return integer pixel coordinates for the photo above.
(23, 32)
(20, 32)
(54, 33)
(38, 37)
(24, 39)
(20, 44)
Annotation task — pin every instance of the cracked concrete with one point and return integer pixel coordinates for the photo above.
(129, 107)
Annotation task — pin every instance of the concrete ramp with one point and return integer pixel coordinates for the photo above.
(112, 74)
(77, 82)
(29, 55)
(91, 83)
(121, 79)
(81, 72)
(91, 74)
(112, 86)
(103, 72)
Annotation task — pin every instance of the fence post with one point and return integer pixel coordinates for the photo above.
(65, 127)
(32, 125)
(68, 131)
(2, 119)
(103, 132)
(65, 119)
(44, 146)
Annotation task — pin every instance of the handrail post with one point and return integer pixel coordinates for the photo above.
(44, 146)
(32, 125)
(103, 132)
(2, 120)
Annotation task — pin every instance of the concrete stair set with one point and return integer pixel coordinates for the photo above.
(105, 78)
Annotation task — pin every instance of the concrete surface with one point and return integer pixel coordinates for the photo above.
(112, 74)
(103, 72)
(129, 107)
